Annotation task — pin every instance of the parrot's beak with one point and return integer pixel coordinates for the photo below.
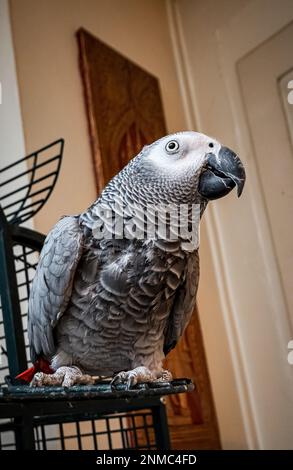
(221, 174)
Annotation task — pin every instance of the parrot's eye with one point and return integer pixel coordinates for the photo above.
(172, 146)
(211, 145)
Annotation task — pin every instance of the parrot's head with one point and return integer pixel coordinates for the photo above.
(214, 169)
(179, 171)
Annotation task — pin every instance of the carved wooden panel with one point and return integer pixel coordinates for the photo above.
(125, 112)
(123, 105)
(191, 416)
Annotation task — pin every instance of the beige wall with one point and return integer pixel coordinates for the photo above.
(51, 89)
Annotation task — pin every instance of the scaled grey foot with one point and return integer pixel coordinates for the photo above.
(65, 376)
(141, 375)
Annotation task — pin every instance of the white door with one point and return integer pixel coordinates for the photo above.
(264, 75)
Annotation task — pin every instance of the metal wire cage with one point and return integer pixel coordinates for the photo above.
(90, 418)
(94, 432)
(18, 258)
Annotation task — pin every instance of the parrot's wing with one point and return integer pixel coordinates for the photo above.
(183, 305)
(52, 284)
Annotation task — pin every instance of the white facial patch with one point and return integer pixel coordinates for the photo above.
(191, 149)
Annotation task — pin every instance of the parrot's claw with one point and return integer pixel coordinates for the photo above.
(64, 376)
(165, 377)
(140, 375)
(118, 378)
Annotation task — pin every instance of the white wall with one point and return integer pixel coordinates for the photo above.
(11, 133)
(12, 145)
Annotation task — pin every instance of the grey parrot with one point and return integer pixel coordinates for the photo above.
(114, 306)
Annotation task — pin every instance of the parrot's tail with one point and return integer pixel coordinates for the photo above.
(41, 365)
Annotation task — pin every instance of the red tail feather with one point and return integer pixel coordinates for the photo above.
(40, 366)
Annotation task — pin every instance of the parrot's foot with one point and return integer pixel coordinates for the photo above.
(141, 375)
(65, 376)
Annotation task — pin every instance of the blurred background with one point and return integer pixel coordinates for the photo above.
(225, 68)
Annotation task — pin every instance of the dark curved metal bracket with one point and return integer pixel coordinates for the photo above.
(34, 193)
